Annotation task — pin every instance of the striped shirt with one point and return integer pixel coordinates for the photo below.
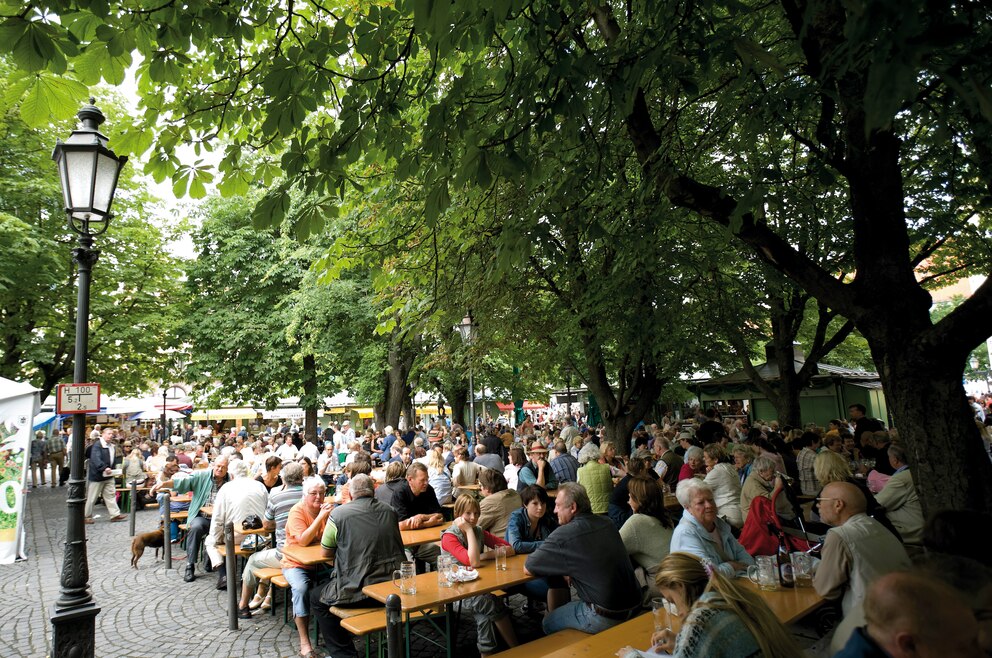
(277, 509)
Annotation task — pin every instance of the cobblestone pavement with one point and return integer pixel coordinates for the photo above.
(149, 612)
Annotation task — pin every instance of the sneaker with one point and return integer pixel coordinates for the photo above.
(255, 602)
(244, 613)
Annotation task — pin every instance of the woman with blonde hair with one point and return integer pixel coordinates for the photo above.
(829, 467)
(720, 617)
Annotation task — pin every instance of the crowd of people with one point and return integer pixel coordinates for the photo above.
(589, 511)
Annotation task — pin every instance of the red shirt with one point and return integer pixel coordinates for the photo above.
(450, 543)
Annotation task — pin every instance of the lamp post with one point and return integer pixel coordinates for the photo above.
(974, 363)
(568, 390)
(89, 171)
(468, 331)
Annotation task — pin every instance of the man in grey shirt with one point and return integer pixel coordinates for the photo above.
(487, 459)
(587, 548)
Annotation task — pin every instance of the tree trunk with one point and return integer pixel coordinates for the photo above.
(309, 401)
(935, 424)
(636, 392)
(396, 391)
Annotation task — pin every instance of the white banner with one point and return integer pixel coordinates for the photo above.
(16, 414)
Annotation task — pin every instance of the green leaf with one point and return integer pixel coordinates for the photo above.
(97, 62)
(438, 201)
(51, 97)
(33, 44)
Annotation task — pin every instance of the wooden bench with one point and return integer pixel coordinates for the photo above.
(544, 645)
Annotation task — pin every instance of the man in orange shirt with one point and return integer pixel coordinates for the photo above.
(305, 526)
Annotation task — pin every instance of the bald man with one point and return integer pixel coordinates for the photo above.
(909, 616)
(857, 550)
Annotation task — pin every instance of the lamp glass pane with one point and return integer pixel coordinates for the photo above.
(106, 180)
(79, 167)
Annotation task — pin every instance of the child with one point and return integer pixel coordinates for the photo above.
(466, 542)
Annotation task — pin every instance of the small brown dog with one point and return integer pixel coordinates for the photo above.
(154, 539)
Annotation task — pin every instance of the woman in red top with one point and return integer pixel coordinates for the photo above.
(466, 542)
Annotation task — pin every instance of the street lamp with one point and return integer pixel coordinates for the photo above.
(89, 172)
(468, 330)
(568, 390)
(974, 363)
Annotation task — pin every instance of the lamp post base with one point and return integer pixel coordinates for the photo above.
(73, 632)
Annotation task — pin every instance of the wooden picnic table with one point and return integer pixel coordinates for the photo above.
(422, 536)
(431, 597)
(310, 556)
(789, 605)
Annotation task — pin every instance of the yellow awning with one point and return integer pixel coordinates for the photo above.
(431, 409)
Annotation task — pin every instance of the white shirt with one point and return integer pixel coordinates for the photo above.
(340, 442)
(287, 452)
(324, 459)
(310, 450)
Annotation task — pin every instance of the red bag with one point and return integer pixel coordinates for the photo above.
(760, 533)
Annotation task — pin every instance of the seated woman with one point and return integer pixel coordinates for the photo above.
(764, 481)
(694, 464)
(595, 477)
(743, 459)
(527, 529)
(721, 618)
(618, 509)
(517, 459)
(465, 471)
(704, 534)
(361, 466)
(608, 456)
(437, 475)
(647, 534)
(466, 542)
(722, 479)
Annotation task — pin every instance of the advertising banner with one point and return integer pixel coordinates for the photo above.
(18, 407)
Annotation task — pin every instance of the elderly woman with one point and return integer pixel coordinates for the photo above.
(703, 533)
(595, 477)
(722, 479)
(764, 481)
(743, 458)
(694, 464)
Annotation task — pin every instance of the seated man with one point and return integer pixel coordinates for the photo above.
(488, 460)
(204, 485)
(364, 539)
(280, 502)
(238, 499)
(564, 465)
(908, 615)
(898, 497)
(537, 470)
(587, 548)
(857, 551)
(415, 503)
(498, 502)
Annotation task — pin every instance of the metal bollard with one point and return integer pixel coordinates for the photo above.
(394, 627)
(132, 515)
(167, 532)
(231, 564)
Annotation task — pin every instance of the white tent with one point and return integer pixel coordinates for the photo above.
(18, 406)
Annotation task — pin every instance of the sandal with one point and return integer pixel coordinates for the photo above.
(255, 602)
(266, 603)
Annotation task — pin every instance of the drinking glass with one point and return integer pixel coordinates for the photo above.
(444, 568)
(407, 576)
(802, 569)
(764, 572)
(501, 558)
(662, 619)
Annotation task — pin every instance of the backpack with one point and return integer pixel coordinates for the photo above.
(762, 527)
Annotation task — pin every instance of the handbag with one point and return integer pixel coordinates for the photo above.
(251, 522)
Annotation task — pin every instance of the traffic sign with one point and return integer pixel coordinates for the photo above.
(78, 399)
